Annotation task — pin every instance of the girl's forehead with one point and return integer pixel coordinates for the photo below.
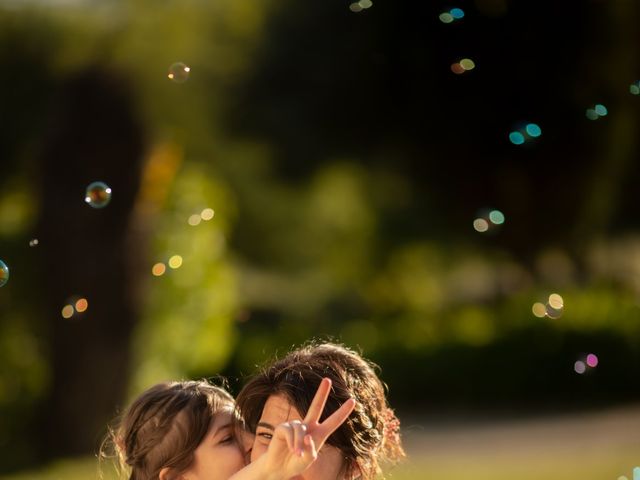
(278, 409)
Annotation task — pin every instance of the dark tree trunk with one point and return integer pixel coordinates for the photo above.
(93, 136)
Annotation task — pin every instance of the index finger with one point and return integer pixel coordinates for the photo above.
(318, 402)
(333, 422)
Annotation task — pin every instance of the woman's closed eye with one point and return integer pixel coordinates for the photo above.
(265, 435)
(227, 439)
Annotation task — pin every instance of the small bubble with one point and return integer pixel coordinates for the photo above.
(355, 7)
(516, 138)
(33, 242)
(556, 301)
(579, 367)
(365, 3)
(457, 68)
(194, 220)
(175, 261)
(533, 130)
(601, 110)
(158, 269)
(98, 195)
(446, 17)
(179, 72)
(496, 217)
(553, 313)
(592, 360)
(539, 310)
(82, 305)
(4, 274)
(591, 114)
(480, 225)
(207, 214)
(467, 64)
(67, 311)
(457, 13)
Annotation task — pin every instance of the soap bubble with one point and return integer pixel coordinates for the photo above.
(4, 273)
(98, 195)
(179, 72)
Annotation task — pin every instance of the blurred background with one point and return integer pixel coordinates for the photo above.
(450, 187)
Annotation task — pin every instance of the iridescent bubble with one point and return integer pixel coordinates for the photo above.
(4, 274)
(98, 194)
(553, 313)
(556, 301)
(179, 72)
(539, 310)
(67, 311)
(480, 225)
(81, 305)
(533, 130)
(194, 220)
(446, 17)
(457, 69)
(579, 367)
(516, 138)
(592, 360)
(33, 242)
(207, 214)
(158, 269)
(591, 114)
(457, 13)
(634, 88)
(601, 110)
(496, 217)
(175, 261)
(365, 3)
(467, 64)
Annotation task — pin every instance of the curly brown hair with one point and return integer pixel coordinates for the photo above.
(163, 427)
(371, 435)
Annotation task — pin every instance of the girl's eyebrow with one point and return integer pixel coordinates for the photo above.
(266, 425)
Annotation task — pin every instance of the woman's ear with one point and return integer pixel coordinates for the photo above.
(167, 474)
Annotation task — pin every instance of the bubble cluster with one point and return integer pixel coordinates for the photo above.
(33, 242)
(361, 5)
(179, 72)
(553, 308)
(634, 88)
(525, 132)
(452, 15)
(487, 220)
(98, 194)
(78, 306)
(591, 361)
(4, 274)
(596, 112)
(463, 66)
(206, 215)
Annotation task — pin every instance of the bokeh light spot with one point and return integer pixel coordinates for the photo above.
(556, 301)
(179, 72)
(496, 217)
(207, 214)
(4, 273)
(365, 3)
(67, 311)
(355, 7)
(33, 242)
(467, 64)
(158, 269)
(175, 261)
(601, 110)
(539, 310)
(98, 195)
(634, 88)
(591, 114)
(579, 367)
(457, 68)
(457, 13)
(553, 313)
(592, 360)
(82, 305)
(194, 220)
(480, 225)
(516, 138)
